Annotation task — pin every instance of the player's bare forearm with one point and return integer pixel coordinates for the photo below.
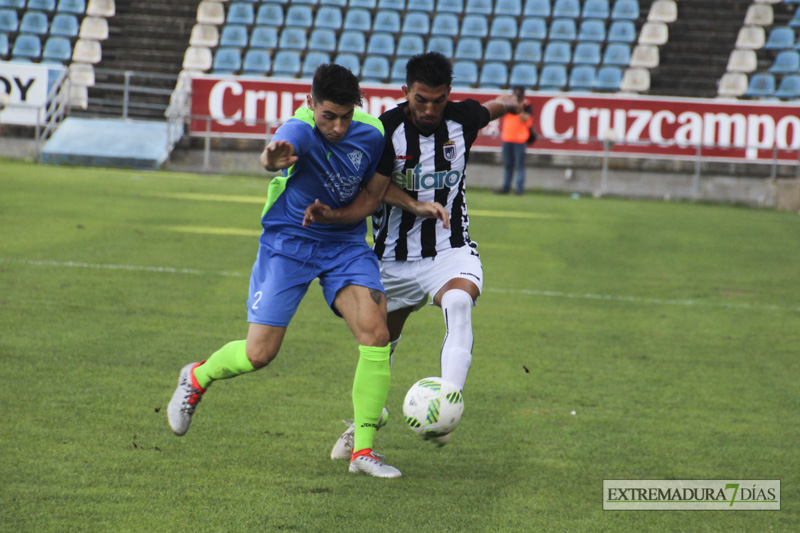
(505, 103)
(396, 197)
(364, 204)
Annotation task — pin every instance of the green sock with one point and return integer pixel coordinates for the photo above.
(228, 362)
(370, 390)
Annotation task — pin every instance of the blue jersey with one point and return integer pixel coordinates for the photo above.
(331, 172)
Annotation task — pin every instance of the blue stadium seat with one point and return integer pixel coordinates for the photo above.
(5, 49)
(353, 42)
(375, 68)
(292, 39)
(474, 26)
(533, 28)
(592, 30)
(397, 5)
(323, 40)
(480, 7)
(587, 54)
(357, 19)
(761, 85)
(451, 6)
(42, 5)
(77, 7)
(387, 20)
(312, 61)
(234, 35)
(595, 9)
(264, 37)
(256, 62)
(622, 31)
(786, 62)
(789, 87)
(617, 54)
(35, 22)
(227, 60)
(269, 14)
(528, 51)
(349, 61)
(65, 25)
(523, 75)
(625, 10)
(563, 30)
(567, 8)
(13, 4)
(410, 44)
(446, 24)
(582, 78)
(286, 63)
(57, 49)
(504, 26)
(417, 22)
(465, 73)
(469, 48)
(493, 75)
(381, 44)
(398, 74)
(337, 3)
(366, 4)
(421, 5)
(299, 16)
(508, 7)
(794, 22)
(557, 52)
(537, 8)
(310, 2)
(780, 38)
(609, 78)
(498, 50)
(241, 13)
(441, 44)
(9, 21)
(553, 77)
(328, 17)
(27, 46)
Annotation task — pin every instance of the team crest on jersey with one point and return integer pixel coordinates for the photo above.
(355, 158)
(449, 150)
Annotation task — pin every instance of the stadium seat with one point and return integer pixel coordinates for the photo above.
(337, 3)
(761, 85)
(742, 60)
(40, 5)
(667, 11)
(498, 50)
(622, 31)
(241, 13)
(5, 49)
(732, 84)
(416, 22)
(299, 16)
(635, 80)
(595, 9)
(410, 44)
(81, 74)
(375, 68)
(465, 73)
(234, 35)
(625, 10)
(322, 40)
(57, 49)
(503, 26)
(94, 28)
(451, 6)
(563, 30)
(557, 52)
(309, 2)
(794, 22)
(77, 7)
(89, 51)
(608, 78)
(655, 33)
(780, 38)
(582, 78)
(227, 60)
(328, 17)
(592, 30)
(528, 51)
(381, 44)
(210, 13)
(512, 8)
(441, 44)
(312, 61)
(474, 26)
(398, 73)
(480, 7)
(353, 42)
(421, 5)
(13, 4)
(587, 54)
(388, 21)
(256, 62)
(349, 61)
(34, 22)
(195, 58)
(9, 21)
(264, 37)
(751, 38)
(365, 4)
(786, 62)
(645, 56)
(292, 39)
(286, 63)
(567, 9)
(469, 48)
(789, 87)
(65, 25)
(537, 8)
(397, 5)
(101, 8)
(617, 54)
(446, 24)
(553, 77)
(357, 19)
(269, 14)
(493, 75)
(523, 75)
(533, 28)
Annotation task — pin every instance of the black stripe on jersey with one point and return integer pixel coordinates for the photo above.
(428, 236)
(458, 219)
(380, 221)
(407, 219)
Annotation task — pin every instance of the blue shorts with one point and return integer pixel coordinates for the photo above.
(287, 264)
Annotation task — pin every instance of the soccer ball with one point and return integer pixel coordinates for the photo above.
(433, 407)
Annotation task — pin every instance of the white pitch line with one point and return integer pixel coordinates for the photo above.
(524, 292)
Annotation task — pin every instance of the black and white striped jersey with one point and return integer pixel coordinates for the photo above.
(429, 168)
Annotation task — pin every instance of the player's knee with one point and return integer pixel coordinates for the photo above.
(260, 355)
(377, 336)
(457, 305)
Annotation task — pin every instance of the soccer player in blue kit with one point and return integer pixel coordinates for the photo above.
(328, 152)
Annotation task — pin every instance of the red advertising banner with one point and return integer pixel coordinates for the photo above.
(577, 123)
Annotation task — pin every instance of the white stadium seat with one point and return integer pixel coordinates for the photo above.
(87, 51)
(204, 35)
(101, 8)
(94, 28)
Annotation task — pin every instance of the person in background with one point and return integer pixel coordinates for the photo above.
(516, 135)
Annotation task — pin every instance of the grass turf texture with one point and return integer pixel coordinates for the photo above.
(670, 329)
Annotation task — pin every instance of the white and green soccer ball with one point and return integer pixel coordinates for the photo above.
(433, 407)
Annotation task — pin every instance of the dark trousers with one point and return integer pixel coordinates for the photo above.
(514, 161)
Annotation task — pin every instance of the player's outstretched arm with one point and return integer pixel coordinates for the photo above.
(397, 197)
(278, 155)
(505, 103)
(364, 204)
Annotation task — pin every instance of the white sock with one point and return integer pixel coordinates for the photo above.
(457, 346)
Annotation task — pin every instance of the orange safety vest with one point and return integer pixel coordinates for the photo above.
(514, 129)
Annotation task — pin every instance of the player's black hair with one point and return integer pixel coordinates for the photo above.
(431, 68)
(335, 83)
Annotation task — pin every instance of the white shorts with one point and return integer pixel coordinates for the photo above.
(408, 283)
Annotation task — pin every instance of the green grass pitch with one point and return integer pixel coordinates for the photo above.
(614, 340)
